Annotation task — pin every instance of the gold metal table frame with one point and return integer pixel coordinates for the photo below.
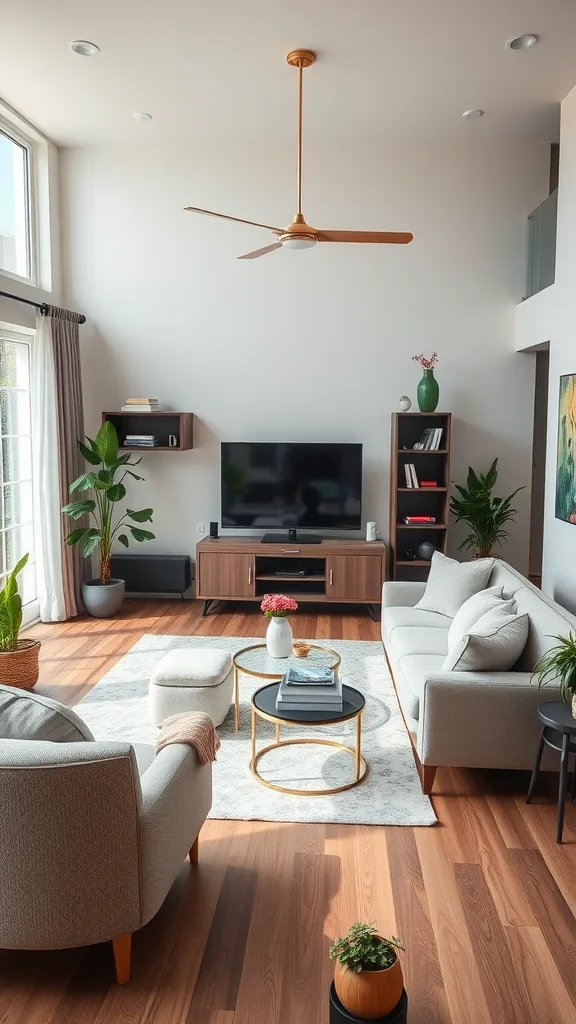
(361, 766)
(270, 676)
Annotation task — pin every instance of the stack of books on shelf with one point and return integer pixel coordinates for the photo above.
(431, 439)
(412, 478)
(141, 405)
(143, 441)
(310, 689)
(420, 520)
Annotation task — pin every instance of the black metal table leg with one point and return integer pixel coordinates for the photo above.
(207, 606)
(562, 786)
(536, 769)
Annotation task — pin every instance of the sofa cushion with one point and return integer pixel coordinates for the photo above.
(493, 644)
(31, 716)
(451, 583)
(394, 617)
(408, 640)
(416, 668)
(474, 608)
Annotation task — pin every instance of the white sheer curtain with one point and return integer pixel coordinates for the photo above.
(46, 476)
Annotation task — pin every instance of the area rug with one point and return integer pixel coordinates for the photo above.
(117, 708)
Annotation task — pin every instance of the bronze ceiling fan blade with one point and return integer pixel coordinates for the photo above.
(238, 220)
(390, 237)
(260, 252)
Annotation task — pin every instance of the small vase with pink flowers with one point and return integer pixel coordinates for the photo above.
(279, 633)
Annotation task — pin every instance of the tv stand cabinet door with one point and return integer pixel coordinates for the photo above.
(354, 578)
(225, 575)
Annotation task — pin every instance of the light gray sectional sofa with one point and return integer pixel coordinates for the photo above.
(468, 719)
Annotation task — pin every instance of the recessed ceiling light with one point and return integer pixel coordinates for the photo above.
(471, 115)
(141, 115)
(522, 42)
(84, 48)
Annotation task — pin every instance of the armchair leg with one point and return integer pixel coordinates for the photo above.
(122, 946)
(193, 854)
(427, 777)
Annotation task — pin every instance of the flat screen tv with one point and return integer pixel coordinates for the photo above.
(291, 486)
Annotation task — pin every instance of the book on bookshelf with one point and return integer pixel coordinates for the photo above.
(408, 474)
(414, 477)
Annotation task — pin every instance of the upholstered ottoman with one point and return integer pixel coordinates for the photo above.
(191, 680)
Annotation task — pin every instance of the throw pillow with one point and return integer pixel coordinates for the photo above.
(450, 583)
(31, 716)
(472, 609)
(494, 644)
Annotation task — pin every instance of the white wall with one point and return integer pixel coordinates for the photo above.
(312, 345)
(559, 569)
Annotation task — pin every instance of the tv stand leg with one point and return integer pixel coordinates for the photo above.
(207, 606)
(372, 612)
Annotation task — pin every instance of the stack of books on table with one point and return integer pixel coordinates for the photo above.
(310, 689)
(141, 405)
(142, 441)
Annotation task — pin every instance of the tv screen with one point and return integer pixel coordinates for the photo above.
(294, 486)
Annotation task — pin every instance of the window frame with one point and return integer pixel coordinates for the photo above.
(28, 144)
(27, 335)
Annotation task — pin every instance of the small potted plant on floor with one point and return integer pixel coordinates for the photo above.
(558, 665)
(18, 658)
(486, 516)
(103, 596)
(367, 975)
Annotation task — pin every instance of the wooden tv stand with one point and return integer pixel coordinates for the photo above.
(334, 571)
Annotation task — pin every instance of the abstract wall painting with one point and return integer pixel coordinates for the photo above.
(566, 464)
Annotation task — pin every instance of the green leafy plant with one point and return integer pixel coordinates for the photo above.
(364, 950)
(101, 452)
(11, 609)
(486, 516)
(558, 665)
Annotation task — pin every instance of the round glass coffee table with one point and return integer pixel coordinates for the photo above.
(264, 706)
(255, 661)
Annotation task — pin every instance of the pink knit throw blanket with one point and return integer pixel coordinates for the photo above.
(194, 728)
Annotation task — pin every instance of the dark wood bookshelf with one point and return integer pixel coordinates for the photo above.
(430, 464)
(180, 424)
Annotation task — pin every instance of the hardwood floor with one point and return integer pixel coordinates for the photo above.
(484, 901)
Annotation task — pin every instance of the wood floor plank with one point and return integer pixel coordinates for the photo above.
(422, 975)
(552, 913)
(547, 992)
(464, 992)
(504, 988)
(219, 976)
(513, 829)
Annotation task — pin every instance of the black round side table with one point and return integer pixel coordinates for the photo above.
(556, 718)
(339, 1015)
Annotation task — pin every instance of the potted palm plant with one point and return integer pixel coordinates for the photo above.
(103, 596)
(18, 658)
(367, 975)
(485, 515)
(558, 665)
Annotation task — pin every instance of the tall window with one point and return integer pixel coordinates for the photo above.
(15, 206)
(16, 504)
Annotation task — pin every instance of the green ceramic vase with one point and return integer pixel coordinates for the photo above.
(428, 392)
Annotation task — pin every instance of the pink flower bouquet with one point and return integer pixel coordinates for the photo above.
(425, 362)
(278, 605)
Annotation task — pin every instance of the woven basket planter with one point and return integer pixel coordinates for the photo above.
(20, 667)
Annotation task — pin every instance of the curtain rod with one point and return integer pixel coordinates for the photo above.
(42, 306)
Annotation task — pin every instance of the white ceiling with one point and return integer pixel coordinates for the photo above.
(214, 69)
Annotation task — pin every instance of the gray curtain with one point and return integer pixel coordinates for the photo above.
(70, 422)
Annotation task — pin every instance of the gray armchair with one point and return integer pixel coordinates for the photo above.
(88, 848)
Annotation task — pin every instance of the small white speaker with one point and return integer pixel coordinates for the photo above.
(370, 531)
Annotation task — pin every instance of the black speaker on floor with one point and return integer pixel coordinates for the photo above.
(213, 531)
(153, 574)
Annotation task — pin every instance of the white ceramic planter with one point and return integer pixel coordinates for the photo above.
(279, 637)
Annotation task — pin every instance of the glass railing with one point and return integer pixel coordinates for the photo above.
(542, 245)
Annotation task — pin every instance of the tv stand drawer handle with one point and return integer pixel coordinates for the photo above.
(331, 578)
(249, 575)
(290, 551)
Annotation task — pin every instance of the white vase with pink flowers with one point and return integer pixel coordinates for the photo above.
(279, 633)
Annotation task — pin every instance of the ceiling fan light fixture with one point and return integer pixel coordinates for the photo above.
(298, 242)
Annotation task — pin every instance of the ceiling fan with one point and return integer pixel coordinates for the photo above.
(299, 234)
